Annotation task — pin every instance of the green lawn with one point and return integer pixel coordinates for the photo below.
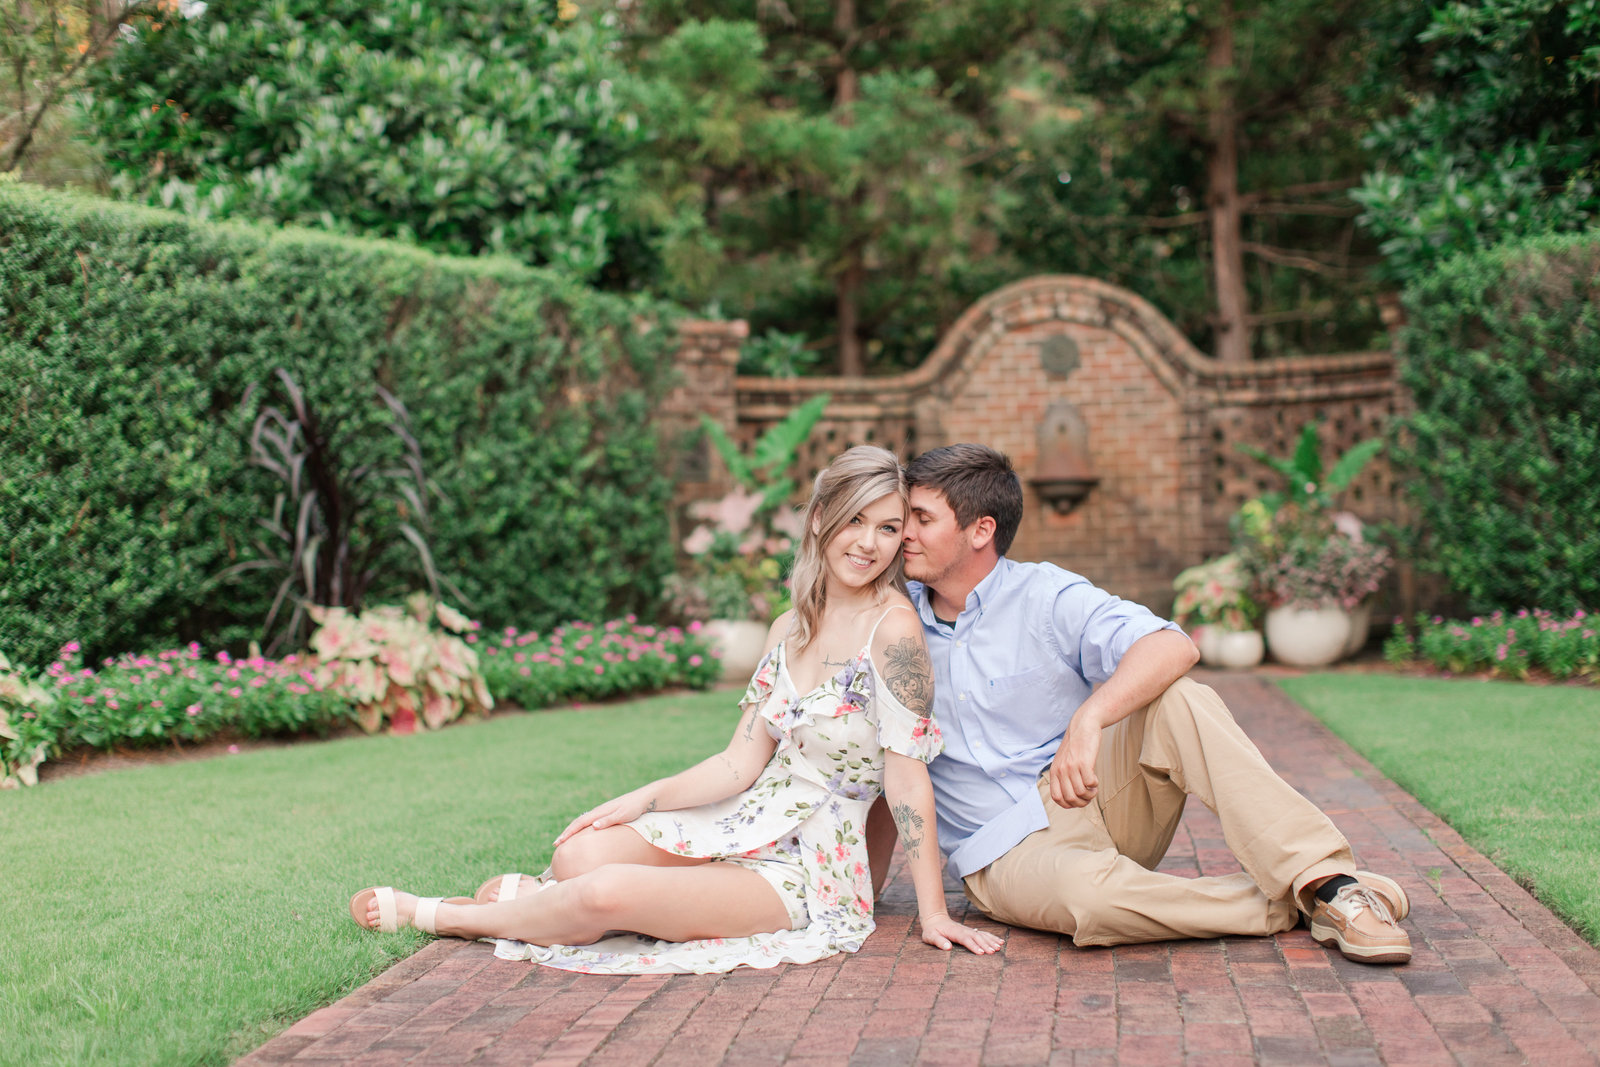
(182, 914)
(1514, 768)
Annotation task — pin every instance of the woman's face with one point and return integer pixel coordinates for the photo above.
(866, 546)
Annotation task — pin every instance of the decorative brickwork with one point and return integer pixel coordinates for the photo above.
(1163, 420)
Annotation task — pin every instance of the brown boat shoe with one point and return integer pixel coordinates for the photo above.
(1361, 922)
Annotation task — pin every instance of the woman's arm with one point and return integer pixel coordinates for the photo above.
(906, 672)
(910, 793)
(730, 771)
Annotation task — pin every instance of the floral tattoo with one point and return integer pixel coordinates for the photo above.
(909, 675)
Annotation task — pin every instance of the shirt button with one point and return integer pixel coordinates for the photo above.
(1000, 774)
(963, 696)
(958, 644)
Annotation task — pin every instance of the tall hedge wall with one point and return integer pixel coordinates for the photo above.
(1502, 355)
(128, 339)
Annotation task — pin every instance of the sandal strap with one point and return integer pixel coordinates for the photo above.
(388, 916)
(508, 887)
(426, 918)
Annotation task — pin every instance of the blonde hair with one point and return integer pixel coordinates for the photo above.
(854, 480)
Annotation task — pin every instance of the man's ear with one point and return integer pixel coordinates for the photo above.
(981, 533)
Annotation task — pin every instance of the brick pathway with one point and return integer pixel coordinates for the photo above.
(1495, 977)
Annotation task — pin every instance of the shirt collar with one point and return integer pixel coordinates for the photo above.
(982, 594)
(987, 590)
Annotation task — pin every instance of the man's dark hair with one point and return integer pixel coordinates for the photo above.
(976, 481)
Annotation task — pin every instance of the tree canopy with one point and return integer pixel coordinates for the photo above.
(466, 126)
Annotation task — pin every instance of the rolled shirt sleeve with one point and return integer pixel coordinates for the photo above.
(1093, 629)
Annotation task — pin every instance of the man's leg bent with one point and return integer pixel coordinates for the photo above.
(1187, 742)
(1070, 878)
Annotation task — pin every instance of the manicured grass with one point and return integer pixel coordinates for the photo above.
(1514, 768)
(182, 914)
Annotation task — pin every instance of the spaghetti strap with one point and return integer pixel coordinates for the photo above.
(892, 607)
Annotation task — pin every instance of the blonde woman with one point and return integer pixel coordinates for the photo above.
(757, 855)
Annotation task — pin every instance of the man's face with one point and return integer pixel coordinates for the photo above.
(934, 545)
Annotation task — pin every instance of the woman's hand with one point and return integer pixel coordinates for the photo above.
(941, 930)
(626, 808)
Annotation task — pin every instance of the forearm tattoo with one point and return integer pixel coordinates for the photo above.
(909, 675)
(723, 756)
(909, 824)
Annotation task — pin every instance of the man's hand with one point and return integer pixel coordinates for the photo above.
(1072, 779)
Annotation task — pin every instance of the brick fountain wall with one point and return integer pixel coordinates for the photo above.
(1163, 420)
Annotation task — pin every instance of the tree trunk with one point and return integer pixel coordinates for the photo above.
(1222, 178)
(847, 283)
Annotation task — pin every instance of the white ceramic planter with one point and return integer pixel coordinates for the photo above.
(739, 644)
(1307, 637)
(1238, 649)
(1229, 649)
(1360, 625)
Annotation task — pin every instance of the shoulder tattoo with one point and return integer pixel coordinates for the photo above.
(908, 672)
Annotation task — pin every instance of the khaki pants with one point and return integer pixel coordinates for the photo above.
(1088, 874)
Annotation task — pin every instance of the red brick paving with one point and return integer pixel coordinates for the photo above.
(1494, 979)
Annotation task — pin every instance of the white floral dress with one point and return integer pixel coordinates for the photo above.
(800, 825)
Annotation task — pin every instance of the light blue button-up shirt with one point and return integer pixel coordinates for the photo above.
(1028, 648)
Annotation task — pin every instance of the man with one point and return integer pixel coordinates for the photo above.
(1072, 739)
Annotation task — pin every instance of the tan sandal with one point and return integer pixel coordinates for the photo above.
(426, 918)
(510, 885)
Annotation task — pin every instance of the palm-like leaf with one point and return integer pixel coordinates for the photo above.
(1307, 461)
(1351, 464)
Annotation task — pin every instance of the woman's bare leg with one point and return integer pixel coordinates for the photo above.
(590, 849)
(670, 903)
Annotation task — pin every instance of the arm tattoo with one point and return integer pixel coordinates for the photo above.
(909, 824)
(750, 726)
(909, 675)
(651, 806)
(723, 756)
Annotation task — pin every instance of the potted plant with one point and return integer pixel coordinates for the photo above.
(1313, 567)
(1214, 605)
(1315, 572)
(736, 556)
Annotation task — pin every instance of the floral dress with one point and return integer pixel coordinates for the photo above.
(800, 826)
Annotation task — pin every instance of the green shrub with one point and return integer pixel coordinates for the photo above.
(130, 337)
(1502, 356)
(462, 126)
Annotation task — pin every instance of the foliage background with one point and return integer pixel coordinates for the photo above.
(130, 337)
(465, 126)
(1502, 357)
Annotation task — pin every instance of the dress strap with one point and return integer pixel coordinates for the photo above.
(885, 615)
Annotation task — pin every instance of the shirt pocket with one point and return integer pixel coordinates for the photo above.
(1026, 711)
(1012, 683)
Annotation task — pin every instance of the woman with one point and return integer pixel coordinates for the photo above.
(756, 856)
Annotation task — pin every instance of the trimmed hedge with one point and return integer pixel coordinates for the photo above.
(128, 340)
(1502, 356)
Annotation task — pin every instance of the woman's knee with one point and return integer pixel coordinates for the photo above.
(578, 854)
(603, 893)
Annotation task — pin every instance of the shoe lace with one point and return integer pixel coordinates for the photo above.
(1354, 897)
